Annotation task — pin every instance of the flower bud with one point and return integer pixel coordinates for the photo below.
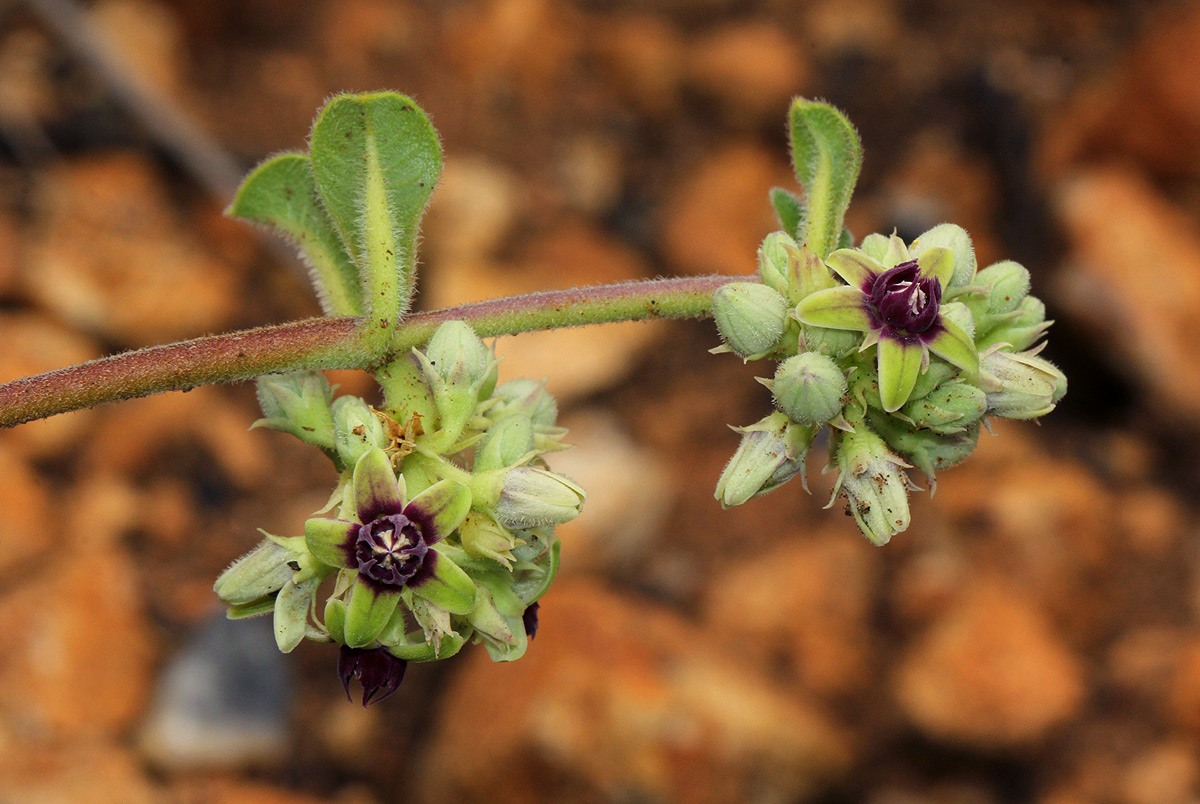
(457, 356)
(506, 443)
(771, 452)
(949, 408)
(875, 246)
(498, 617)
(528, 496)
(1021, 328)
(484, 537)
(261, 572)
(298, 403)
(809, 388)
(528, 397)
(774, 261)
(960, 314)
(1007, 283)
(358, 429)
(292, 605)
(1021, 385)
(874, 483)
(750, 317)
(955, 238)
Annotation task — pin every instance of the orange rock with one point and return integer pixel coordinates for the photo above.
(753, 69)
(620, 698)
(643, 55)
(1162, 774)
(234, 791)
(719, 212)
(109, 255)
(807, 604)
(24, 514)
(96, 773)
(990, 673)
(147, 37)
(1118, 225)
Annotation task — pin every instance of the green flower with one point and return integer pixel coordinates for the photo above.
(898, 305)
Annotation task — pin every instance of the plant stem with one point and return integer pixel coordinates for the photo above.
(331, 343)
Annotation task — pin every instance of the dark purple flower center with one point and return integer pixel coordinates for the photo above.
(905, 301)
(379, 672)
(390, 549)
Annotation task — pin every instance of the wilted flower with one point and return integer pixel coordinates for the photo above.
(379, 672)
(874, 483)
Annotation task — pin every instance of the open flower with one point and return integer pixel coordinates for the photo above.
(898, 306)
(393, 546)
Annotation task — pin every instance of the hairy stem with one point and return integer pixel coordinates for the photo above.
(329, 343)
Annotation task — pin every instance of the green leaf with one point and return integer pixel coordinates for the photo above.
(376, 159)
(282, 195)
(827, 155)
(790, 213)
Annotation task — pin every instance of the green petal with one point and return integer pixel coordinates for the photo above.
(335, 620)
(937, 262)
(331, 541)
(836, 308)
(448, 586)
(955, 346)
(445, 504)
(368, 610)
(376, 492)
(899, 365)
(855, 267)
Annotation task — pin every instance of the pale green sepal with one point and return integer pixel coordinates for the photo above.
(899, 365)
(937, 262)
(897, 253)
(446, 503)
(282, 194)
(857, 268)
(827, 156)
(955, 346)
(367, 612)
(837, 308)
(328, 541)
(291, 613)
(534, 579)
(955, 238)
(449, 587)
(335, 620)
(496, 618)
(376, 159)
(426, 651)
(875, 246)
(255, 608)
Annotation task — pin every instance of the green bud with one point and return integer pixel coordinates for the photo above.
(949, 408)
(496, 617)
(960, 314)
(1007, 283)
(939, 371)
(1021, 328)
(771, 452)
(458, 357)
(955, 238)
(832, 342)
(774, 261)
(809, 388)
(1020, 385)
(527, 397)
(484, 537)
(528, 496)
(925, 449)
(358, 429)
(507, 442)
(292, 605)
(298, 403)
(874, 483)
(750, 317)
(406, 395)
(261, 572)
(875, 246)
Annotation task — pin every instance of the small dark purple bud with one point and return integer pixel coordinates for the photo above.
(530, 619)
(904, 300)
(379, 672)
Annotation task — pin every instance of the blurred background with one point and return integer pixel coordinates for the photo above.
(1034, 637)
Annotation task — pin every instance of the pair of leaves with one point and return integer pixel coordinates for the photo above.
(353, 206)
(827, 157)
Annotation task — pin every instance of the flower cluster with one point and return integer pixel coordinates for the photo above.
(441, 528)
(904, 350)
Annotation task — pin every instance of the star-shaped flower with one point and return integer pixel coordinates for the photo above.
(393, 546)
(898, 306)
